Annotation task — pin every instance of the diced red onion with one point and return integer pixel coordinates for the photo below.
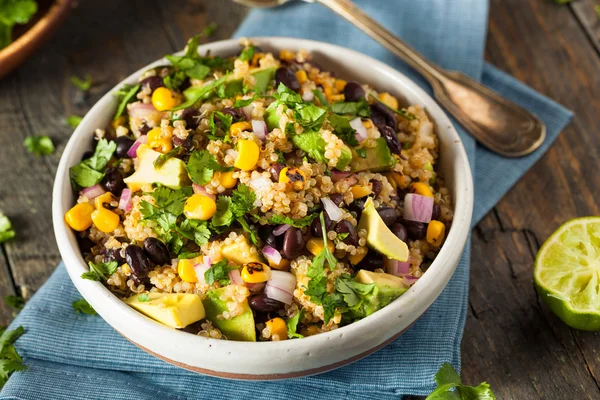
(201, 270)
(361, 132)
(198, 189)
(308, 95)
(395, 267)
(125, 200)
(132, 152)
(281, 229)
(334, 212)
(255, 287)
(236, 277)
(260, 129)
(337, 176)
(410, 280)
(272, 255)
(93, 191)
(281, 286)
(142, 110)
(248, 110)
(418, 208)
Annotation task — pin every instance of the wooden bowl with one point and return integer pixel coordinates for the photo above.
(28, 38)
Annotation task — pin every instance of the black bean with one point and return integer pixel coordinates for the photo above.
(415, 230)
(338, 199)
(382, 116)
(85, 244)
(144, 129)
(157, 251)
(293, 243)
(137, 260)
(357, 206)
(185, 143)
(371, 262)
(152, 82)
(376, 187)
(315, 227)
(399, 230)
(436, 212)
(345, 226)
(388, 215)
(264, 304)
(191, 116)
(237, 114)
(124, 143)
(353, 91)
(265, 232)
(275, 170)
(114, 255)
(425, 265)
(113, 181)
(391, 138)
(288, 78)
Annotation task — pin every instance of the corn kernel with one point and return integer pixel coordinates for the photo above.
(359, 191)
(337, 97)
(226, 179)
(367, 123)
(361, 252)
(126, 269)
(278, 327)
(164, 99)
(105, 220)
(421, 188)
(340, 84)
(436, 231)
(186, 271)
(238, 127)
(292, 177)
(103, 199)
(248, 152)
(401, 180)
(256, 272)
(315, 245)
(199, 207)
(328, 92)
(310, 330)
(161, 145)
(284, 264)
(154, 134)
(301, 76)
(79, 217)
(388, 100)
(119, 121)
(287, 55)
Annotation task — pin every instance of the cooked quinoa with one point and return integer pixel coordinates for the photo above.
(243, 194)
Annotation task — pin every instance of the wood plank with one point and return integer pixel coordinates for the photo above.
(6, 289)
(588, 18)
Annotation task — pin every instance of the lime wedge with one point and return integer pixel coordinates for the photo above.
(567, 273)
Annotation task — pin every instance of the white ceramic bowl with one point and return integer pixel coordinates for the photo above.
(290, 358)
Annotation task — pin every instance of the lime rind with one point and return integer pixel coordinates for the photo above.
(567, 273)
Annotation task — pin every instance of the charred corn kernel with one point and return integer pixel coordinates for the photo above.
(238, 127)
(161, 145)
(80, 216)
(328, 92)
(301, 76)
(104, 199)
(421, 188)
(315, 245)
(199, 207)
(435, 233)
(287, 55)
(256, 58)
(294, 177)
(361, 252)
(367, 123)
(337, 97)
(256, 272)
(119, 121)
(401, 180)
(105, 220)
(388, 100)
(226, 179)
(186, 271)
(284, 264)
(310, 330)
(164, 99)
(340, 84)
(359, 191)
(278, 328)
(126, 269)
(248, 152)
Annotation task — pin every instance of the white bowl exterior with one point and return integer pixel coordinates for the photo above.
(267, 358)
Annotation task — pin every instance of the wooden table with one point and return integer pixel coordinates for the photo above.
(511, 340)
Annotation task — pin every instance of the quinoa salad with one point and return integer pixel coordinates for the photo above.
(258, 197)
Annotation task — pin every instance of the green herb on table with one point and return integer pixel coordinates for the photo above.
(39, 145)
(219, 272)
(89, 171)
(100, 271)
(81, 306)
(15, 302)
(447, 379)
(6, 231)
(209, 30)
(10, 360)
(74, 120)
(13, 12)
(82, 84)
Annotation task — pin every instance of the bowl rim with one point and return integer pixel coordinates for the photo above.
(416, 300)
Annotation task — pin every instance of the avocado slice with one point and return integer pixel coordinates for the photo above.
(387, 289)
(313, 144)
(239, 252)
(379, 236)
(262, 79)
(171, 174)
(378, 158)
(176, 310)
(237, 328)
(271, 117)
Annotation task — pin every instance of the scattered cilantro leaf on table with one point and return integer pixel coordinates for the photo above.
(81, 306)
(6, 231)
(39, 145)
(89, 171)
(15, 302)
(447, 379)
(82, 84)
(10, 360)
(100, 271)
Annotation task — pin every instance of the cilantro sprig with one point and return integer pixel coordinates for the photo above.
(39, 145)
(307, 114)
(202, 165)
(100, 271)
(234, 207)
(82, 84)
(296, 223)
(218, 272)
(89, 172)
(15, 302)
(220, 131)
(450, 387)
(13, 12)
(10, 360)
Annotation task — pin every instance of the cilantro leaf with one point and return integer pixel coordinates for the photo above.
(187, 255)
(224, 214)
(359, 108)
(10, 360)
(126, 95)
(235, 207)
(39, 145)
(352, 291)
(144, 297)
(296, 223)
(312, 143)
(100, 271)
(171, 200)
(343, 129)
(250, 230)
(195, 93)
(247, 53)
(202, 165)
(160, 160)
(6, 231)
(88, 172)
(174, 80)
(16, 302)
(309, 115)
(81, 306)
(196, 231)
(74, 121)
(402, 112)
(239, 103)
(219, 272)
(14, 12)
(292, 325)
(226, 121)
(82, 84)
(321, 97)
(447, 379)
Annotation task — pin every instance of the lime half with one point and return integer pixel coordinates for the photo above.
(567, 273)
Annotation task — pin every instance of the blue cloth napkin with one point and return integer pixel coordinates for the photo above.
(73, 356)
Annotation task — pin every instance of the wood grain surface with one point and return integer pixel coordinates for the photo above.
(511, 339)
